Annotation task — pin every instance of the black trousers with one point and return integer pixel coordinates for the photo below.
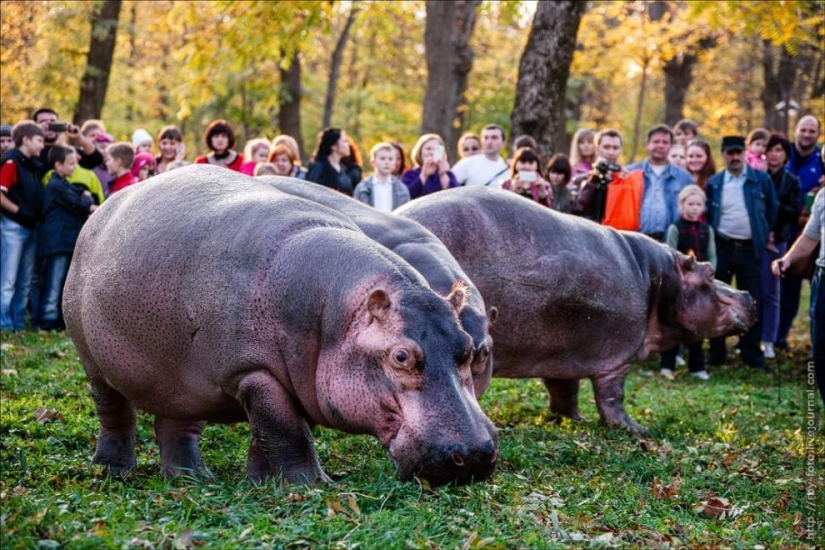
(737, 259)
(818, 328)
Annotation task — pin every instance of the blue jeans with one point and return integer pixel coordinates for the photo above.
(51, 310)
(18, 246)
(769, 308)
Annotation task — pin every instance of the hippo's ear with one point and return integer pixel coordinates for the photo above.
(492, 315)
(459, 295)
(378, 304)
(686, 263)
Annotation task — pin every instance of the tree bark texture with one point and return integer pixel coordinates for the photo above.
(447, 32)
(779, 73)
(543, 73)
(99, 61)
(335, 67)
(678, 76)
(289, 99)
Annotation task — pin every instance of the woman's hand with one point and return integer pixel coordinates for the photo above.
(428, 168)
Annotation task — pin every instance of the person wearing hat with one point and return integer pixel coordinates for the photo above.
(142, 141)
(6, 141)
(789, 196)
(741, 208)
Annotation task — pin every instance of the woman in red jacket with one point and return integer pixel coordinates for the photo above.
(220, 138)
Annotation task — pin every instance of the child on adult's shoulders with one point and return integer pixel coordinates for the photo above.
(119, 159)
(382, 190)
(65, 209)
(689, 235)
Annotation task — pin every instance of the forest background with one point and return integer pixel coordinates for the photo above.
(393, 70)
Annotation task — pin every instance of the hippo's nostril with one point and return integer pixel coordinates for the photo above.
(458, 458)
(493, 456)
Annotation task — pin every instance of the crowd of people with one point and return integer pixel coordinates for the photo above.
(743, 217)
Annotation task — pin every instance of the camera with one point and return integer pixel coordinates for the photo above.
(58, 127)
(604, 167)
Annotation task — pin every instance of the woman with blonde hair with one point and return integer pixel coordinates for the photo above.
(431, 170)
(583, 151)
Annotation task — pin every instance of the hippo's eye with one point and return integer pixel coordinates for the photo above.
(402, 358)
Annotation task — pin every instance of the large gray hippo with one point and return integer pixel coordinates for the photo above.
(577, 299)
(201, 295)
(414, 243)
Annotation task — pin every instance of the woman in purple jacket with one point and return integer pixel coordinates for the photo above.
(431, 171)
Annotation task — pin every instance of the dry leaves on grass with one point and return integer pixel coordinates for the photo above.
(717, 507)
(43, 415)
(666, 492)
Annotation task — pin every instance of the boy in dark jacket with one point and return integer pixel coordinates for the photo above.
(21, 197)
(65, 210)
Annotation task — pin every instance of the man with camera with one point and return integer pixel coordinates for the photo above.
(88, 155)
(610, 195)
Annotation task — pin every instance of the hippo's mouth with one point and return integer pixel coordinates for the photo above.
(733, 318)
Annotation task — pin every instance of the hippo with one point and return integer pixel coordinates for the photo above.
(200, 296)
(576, 299)
(428, 255)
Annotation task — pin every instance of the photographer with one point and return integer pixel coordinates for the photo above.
(88, 155)
(610, 195)
(526, 180)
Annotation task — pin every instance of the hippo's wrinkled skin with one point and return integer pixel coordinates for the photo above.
(576, 299)
(201, 295)
(422, 250)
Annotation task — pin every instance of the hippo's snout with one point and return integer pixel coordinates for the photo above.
(454, 462)
(739, 309)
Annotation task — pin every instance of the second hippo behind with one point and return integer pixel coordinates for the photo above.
(575, 299)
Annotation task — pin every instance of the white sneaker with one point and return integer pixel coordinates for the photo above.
(701, 375)
(667, 373)
(767, 347)
(680, 361)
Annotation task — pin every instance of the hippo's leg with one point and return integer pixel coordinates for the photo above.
(564, 397)
(178, 441)
(282, 443)
(609, 393)
(116, 439)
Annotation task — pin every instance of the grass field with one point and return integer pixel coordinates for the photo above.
(725, 466)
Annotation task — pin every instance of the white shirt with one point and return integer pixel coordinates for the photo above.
(479, 170)
(382, 197)
(734, 221)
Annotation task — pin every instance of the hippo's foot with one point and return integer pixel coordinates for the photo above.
(259, 468)
(609, 393)
(282, 445)
(564, 397)
(178, 441)
(116, 439)
(118, 455)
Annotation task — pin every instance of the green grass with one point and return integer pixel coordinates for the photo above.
(740, 436)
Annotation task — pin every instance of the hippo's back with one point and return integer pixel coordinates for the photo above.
(167, 273)
(567, 290)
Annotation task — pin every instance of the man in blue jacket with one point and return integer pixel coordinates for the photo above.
(663, 182)
(741, 208)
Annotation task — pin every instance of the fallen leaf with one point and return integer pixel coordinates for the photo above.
(334, 507)
(713, 507)
(43, 415)
(184, 541)
(666, 492)
(353, 504)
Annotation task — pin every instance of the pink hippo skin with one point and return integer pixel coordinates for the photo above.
(428, 255)
(576, 299)
(201, 295)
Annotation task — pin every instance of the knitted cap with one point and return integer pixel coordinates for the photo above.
(141, 136)
(141, 160)
(103, 137)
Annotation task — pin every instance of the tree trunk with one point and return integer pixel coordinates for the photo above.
(447, 32)
(99, 61)
(289, 99)
(678, 76)
(543, 73)
(779, 77)
(335, 66)
(640, 103)
(131, 62)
